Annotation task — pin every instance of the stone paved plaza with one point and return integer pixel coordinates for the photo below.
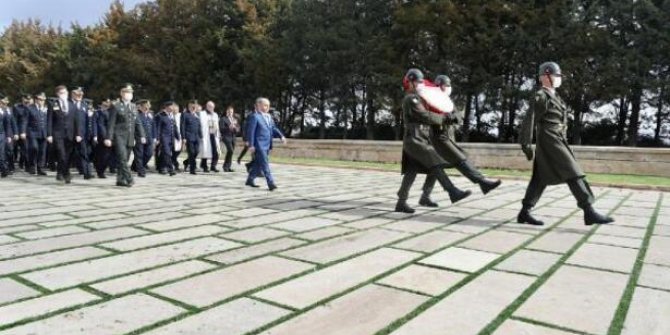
(324, 254)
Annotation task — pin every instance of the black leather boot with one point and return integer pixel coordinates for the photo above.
(402, 207)
(591, 217)
(457, 195)
(487, 185)
(525, 217)
(425, 201)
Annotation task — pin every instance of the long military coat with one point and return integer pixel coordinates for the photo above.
(555, 162)
(124, 125)
(444, 140)
(418, 153)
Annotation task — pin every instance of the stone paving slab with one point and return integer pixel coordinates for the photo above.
(324, 254)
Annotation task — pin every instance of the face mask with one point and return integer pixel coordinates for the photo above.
(62, 96)
(556, 81)
(127, 97)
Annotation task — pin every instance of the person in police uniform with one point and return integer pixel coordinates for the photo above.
(89, 123)
(191, 135)
(34, 132)
(144, 151)
(443, 138)
(5, 136)
(553, 160)
(166, 136)
(418, 154)
(102, 153)
(20, 112)
(124, 127)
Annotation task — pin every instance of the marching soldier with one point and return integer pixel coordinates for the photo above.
(554, 163)
(419, 155)
(34, 132)
(124, 127)
(443, 138)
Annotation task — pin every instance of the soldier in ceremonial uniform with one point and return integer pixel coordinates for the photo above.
(34, 132)
(124, 127)
(419, 155)
(443, 138)
(554, 163)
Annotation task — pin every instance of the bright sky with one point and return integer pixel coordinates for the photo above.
(57, 12)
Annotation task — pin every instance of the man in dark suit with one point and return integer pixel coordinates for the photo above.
(124, 127)
(191, 134)
(102, 154)
(34, 132)
(88, 129)
(64, 130)
(5, 135)
(13, 133)
(20, 112)
(260, 131)
(166, 136)
(229, 127)
(144, 151)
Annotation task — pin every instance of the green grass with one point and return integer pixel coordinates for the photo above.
(623, 180)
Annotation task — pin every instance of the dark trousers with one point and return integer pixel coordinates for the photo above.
(20, 153)
(9, 154)
(138, 158)
(243, 153)
(230, 149)
(52, 156)
(36, 154)
(3, 154)
(578, 186)
(437, 173)
(122, 153)
(192, 147)
(164, 159)
(175, 158)
(84, 150)
(464, 167)
(65, 151)
(215, 154)
(102, 158)
(261, 164)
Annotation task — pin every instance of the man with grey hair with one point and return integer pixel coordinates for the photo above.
(260, 131)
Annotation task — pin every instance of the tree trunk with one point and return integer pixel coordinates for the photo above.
(465, 128)
(322, 113)
(370, 126)
(634, 124)
(621, 125)
(659, 116)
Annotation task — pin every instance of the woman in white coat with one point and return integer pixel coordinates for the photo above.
(210, 147)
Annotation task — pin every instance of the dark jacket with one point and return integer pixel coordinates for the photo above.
(5, 126)
(548, 117)
(147, 120)
(166, 128)
(34, 123)
(418, 153)
(224, 127)
(124, 125)
(190, 127)
(102, 122)
(61, 124)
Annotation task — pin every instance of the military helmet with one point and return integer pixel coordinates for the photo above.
(442, 80)
(550, 68)
(414, 75)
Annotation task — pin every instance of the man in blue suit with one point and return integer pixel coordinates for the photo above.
(34, 132)
(260, 131)
(191, 134)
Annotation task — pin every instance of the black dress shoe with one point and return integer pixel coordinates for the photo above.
(272, 187)
(591, 217)
(172, 173)
(251, 184)
(192, 172)
(118, 183)
(403, 207)
(489, 185)
(214, 170)
(4, 175)
(162, 172)
(101, 176)
(142, 175)
(525, 217)
(59, 177)
(88, 176)
(68, 179)
(458, 195)
(41, 173)
(425, 201)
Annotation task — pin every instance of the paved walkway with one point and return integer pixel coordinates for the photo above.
(323, 255)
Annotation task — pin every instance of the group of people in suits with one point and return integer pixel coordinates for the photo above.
(67, 131)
